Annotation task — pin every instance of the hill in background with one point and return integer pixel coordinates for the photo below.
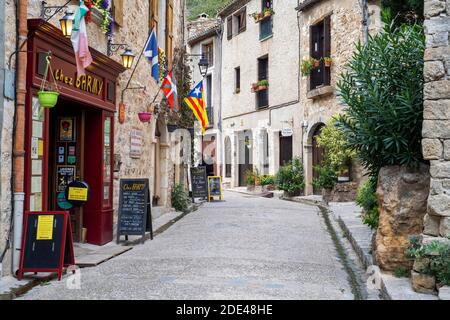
(211, 7)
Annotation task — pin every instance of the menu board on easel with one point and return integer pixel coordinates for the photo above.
(214, 187)
(199, 182)
(134, 209)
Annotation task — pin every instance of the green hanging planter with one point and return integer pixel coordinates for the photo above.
(48, 99)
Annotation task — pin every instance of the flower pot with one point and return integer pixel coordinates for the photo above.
(267, 14)
(48, 99)
(145, 116)
(316, 63)
(328, 64)
(262, 88)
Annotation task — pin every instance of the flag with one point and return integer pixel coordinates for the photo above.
(151, 52)
(169, 88)
(196, 101)
(80, 41)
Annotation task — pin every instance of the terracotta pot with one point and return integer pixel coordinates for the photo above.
(328, 64)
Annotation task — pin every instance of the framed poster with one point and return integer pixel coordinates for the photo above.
(64, 176)
(66, 128)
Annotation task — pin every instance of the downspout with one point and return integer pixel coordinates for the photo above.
(365, 20)
(19, 133)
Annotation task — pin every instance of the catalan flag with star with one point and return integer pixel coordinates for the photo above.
(196, 102)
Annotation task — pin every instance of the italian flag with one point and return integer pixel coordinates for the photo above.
(80, 41)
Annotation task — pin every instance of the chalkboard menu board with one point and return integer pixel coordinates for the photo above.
(134, 209)
(46, 242)
(199, 182)
(214, 187)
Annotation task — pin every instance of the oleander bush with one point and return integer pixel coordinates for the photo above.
(367, 199)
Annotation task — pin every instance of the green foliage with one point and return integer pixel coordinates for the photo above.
(263, 83)
(210, 7)
(180, 198)
(401, 272)
(251, 177)
(267, 180)
(436, 254)
(367, 199)
(307, 66)
(383, 92)
(290, 178)
(327, 177)
(333, 139)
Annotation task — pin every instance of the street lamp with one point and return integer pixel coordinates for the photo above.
(203, 65)
(67, 24)
(127, 58)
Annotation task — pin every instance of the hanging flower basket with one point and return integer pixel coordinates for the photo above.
(48, 99)
(145, 116)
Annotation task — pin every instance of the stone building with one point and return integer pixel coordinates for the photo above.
(264, 128)
(205, 39)
(328, 28)
(104, 143)
(260, 88)
(436, 124)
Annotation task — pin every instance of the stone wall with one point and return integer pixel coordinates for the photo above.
(436, 125)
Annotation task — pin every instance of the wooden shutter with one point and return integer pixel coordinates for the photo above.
(229, 27)
(118, 12)
(169, 32)
(327, 48)
(243, 19)
(153, 21)
(316, 52)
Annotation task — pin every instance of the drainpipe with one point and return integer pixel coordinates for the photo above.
(19, 133)
(365, 20)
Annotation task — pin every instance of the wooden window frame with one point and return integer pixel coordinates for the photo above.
(237, 79)
(241, 20)
(153, 15)
(169, 33)
(321, 76)
(230, 27)
(208, 51)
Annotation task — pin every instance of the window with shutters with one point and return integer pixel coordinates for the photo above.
(169, 33)
(208, 52)
(117, 10)
(320, 47)
(262, 96)
(241, 20)
(237, 80)
(153, 23)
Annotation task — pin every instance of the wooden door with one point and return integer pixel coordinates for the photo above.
(285, 150)
(245, 149)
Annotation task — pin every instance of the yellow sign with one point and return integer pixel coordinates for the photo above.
(78, 194)
(214, 187)
(40, 148)
(45, 227)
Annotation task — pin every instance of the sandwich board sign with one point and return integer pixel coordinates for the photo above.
(214, 187)
(135, 217)
(199, 182)
(46, 243)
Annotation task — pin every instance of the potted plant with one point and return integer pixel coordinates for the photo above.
(328, 61)
(250, 178)
(316, 62)
(48, 98)
(307, 66)
(263, 84)
(268, 12)
(257, 16)
(145, 117)
(254, 87)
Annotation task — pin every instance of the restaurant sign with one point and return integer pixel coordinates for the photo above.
(85, 82)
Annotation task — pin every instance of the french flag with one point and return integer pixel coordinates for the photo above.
(80, 41)
(151, 52)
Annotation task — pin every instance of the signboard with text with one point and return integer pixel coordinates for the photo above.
(199, 182)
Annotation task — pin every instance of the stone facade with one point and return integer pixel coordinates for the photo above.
(319, 105)
(436, 125)
(157, 160)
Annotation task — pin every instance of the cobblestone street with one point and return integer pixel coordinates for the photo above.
(241, 248)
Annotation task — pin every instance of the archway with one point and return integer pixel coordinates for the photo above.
(318, 154)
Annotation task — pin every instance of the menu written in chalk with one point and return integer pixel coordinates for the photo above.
(134, 208)
(199, 182)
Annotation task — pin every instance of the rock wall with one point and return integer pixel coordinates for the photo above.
(402, 196)
(436, 125)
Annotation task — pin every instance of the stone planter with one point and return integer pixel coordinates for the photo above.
(402, 196)
(423, 283)
(250, 188)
